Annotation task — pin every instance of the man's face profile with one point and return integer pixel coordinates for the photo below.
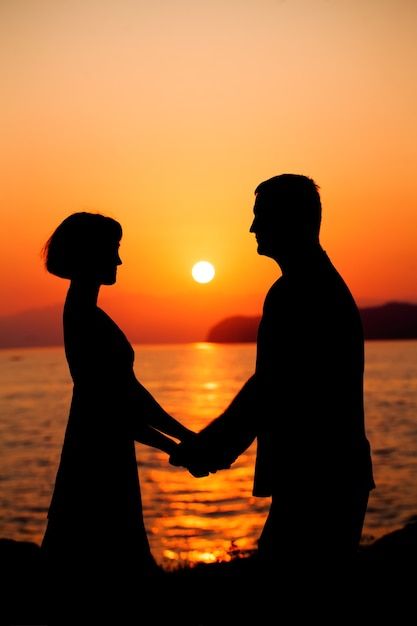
(266, 225)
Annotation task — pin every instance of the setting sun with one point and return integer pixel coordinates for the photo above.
(203, 272)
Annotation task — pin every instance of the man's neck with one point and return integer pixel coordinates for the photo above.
(298, 260)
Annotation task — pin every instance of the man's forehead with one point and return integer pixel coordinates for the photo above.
(264, 202)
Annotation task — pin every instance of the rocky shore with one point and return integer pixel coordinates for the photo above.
(382, 579)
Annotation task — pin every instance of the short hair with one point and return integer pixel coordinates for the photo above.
(77, 241)
(298, 196)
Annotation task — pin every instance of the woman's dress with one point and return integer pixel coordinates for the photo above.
(95, 519)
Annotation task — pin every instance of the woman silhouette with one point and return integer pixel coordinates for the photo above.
(95, 523)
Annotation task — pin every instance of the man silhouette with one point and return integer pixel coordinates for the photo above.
(304, 403)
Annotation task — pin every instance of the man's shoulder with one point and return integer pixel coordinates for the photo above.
(275, 293)
(277, 288)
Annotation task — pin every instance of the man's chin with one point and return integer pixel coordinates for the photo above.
(109, 280)
(265, 251)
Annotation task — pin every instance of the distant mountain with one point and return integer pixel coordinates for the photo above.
(32, 328)
(238, 329)
(151, 324)
(394, 320)
(143, 318)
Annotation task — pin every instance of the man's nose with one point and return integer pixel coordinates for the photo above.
(252, 226)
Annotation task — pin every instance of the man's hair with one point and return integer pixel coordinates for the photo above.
(296, 195)
(77, 241)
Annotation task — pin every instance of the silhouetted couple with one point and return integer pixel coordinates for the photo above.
(304, 405)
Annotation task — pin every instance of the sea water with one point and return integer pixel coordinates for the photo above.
(190, 519)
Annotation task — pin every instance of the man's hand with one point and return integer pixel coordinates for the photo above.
(186, 455)
(199, 456)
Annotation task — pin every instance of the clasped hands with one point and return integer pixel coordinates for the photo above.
(200, 455)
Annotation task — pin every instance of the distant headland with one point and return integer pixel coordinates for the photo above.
(43, 326)
(394, 320)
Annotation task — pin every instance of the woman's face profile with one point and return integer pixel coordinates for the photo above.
(104, 262)
(110, 264)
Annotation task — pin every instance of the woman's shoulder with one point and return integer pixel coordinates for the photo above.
(95, 329)
(113, 333)
(107, 324)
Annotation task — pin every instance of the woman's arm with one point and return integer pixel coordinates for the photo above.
(149, 436)
(150, 412)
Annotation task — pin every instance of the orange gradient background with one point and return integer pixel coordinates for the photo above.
(166, 116)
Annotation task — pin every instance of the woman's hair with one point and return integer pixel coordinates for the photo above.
(77, 243)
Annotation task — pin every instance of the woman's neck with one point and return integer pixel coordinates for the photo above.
(83, 293)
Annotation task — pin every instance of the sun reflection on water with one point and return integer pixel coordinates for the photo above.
(190, 520)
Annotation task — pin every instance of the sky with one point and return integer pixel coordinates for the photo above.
(167, 114)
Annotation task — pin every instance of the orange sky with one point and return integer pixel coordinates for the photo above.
(166, 115)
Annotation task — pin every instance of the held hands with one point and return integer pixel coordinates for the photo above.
(184, 456)
(199, 455)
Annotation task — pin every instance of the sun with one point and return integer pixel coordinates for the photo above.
(203, 272)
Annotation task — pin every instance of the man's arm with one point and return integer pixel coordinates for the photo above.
(236, 426)
(219, 444)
